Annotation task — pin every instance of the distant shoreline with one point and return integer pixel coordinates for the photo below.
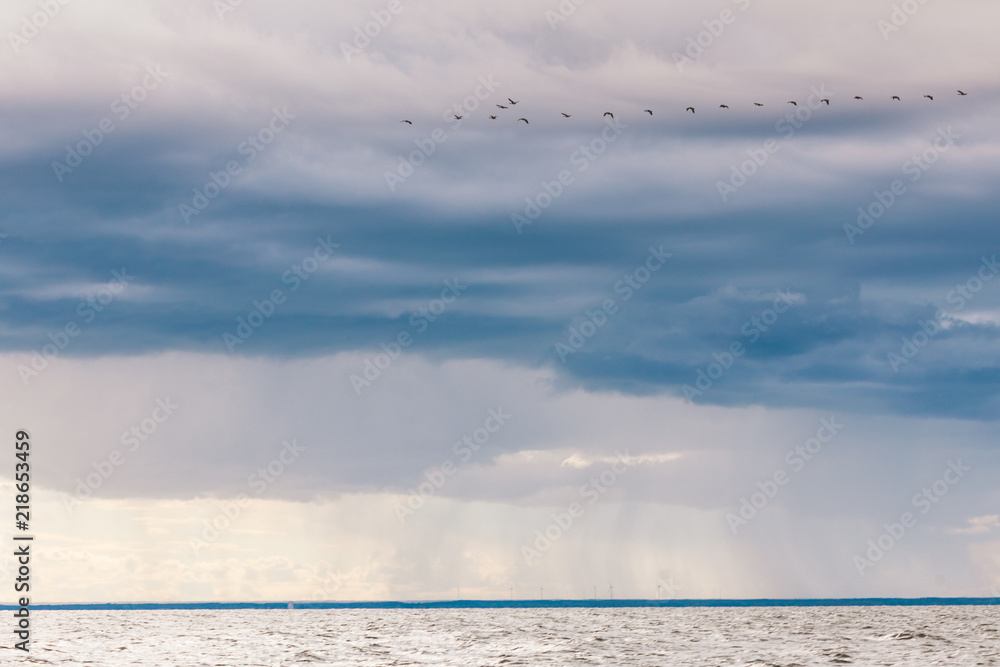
(518, 604)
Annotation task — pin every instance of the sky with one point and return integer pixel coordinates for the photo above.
(272, 343)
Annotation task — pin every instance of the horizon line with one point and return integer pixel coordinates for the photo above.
(519, 604)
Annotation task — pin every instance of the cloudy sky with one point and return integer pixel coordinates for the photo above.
(272, 343)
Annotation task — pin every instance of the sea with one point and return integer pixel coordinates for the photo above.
(768, 636)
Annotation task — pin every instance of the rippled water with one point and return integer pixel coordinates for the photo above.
(633, 637)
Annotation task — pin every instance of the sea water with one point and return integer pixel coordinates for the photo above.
(633, 637)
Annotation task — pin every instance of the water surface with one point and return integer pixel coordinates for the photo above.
(633, 637)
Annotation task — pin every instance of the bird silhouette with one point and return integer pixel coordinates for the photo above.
(895, 98)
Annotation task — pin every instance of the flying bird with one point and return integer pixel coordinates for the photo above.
(457, 117)
(525, 120)
(512, 101)
(493, 117)
(825, 101)
(691, 109)
(566, 115)
(858, 97)
(500, 106)
(896, 97)
(608, 113)
(406, 121)
(757, 104)
(930, 97)
(794, 103)
(962, 94)
(649, 111)
(723, 106)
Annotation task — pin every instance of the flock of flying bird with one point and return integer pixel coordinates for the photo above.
(512, 102)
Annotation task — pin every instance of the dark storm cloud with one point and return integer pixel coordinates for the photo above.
(655, 185)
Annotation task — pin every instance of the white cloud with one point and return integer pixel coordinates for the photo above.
(692, 464)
